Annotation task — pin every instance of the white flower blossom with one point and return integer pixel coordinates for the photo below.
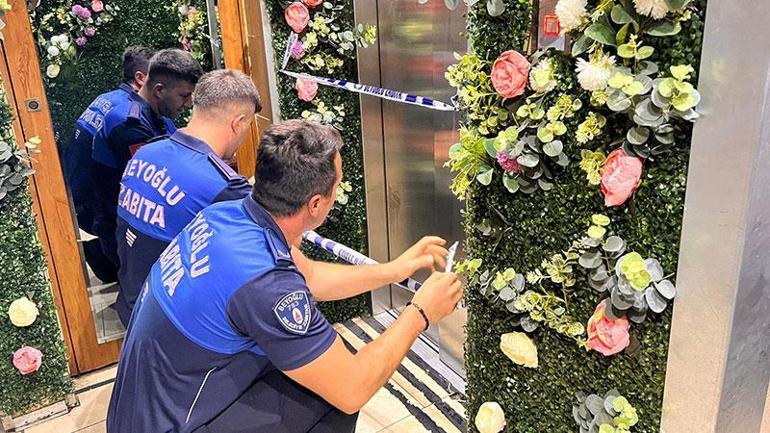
(571, 14)
(593, 75)
(542, 77)
(53, 51)
(490, 418)
(651, 8)
(52, 71)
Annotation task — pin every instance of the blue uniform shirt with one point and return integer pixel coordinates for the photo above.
(76, 156)
(126, 128)
(223, 305)
(163, 187)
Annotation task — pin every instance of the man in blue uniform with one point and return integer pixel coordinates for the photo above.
(166, 92)
(227, 337)
(169, 181)
(76, 155)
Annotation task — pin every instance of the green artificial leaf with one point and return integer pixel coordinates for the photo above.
(681, 72)
(495, 8)
(601, 33)
(614, 244)
(644, 52)
(620, 80)
(656, 302)
(633, 89)
(509, 274)
(554, 148)
(675, 5)
(606, 428)
(491, 147)
(683, 102)
(485, 178)
(620, 16)
(666, 87)
(511, 184)
(626, 51)
(638, 135)
(544, 135)
(666, 289)
(622, 34)
(528, 160)
(663, 28)
(649, 68)
(581, 45)
(544, 185)
(600, 220)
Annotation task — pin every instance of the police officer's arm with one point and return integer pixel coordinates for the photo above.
(331, 282)
(348, 381)
(125, 139)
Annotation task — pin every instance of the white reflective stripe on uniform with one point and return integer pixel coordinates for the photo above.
(189, 413)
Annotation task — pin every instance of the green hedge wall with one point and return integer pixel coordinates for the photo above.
(544, 223)
(99, 69)
(346, 224)
(23, 272)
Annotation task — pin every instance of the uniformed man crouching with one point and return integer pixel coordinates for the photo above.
(226, 336)
(170, 180)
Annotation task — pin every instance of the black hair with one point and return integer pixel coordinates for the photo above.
(171, 66)
(136, 59)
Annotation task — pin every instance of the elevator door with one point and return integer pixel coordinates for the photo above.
(416, 45)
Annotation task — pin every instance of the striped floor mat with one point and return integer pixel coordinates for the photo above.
(416, 399)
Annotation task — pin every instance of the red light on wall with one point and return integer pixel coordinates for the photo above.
(551, 25)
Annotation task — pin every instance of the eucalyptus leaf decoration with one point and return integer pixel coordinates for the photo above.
(611, 413)
(14, 162)
(528, 308)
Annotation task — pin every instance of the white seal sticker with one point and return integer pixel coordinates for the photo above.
(293, 311)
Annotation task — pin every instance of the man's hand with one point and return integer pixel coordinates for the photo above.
(428, 253)
(439, 295)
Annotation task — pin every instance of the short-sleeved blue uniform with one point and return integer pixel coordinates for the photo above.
(76, 156)
(164, 186)
(223, 308)
(127, 127)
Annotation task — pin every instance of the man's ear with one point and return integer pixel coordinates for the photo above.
(140, 78)
(238, 124)
(314, 205)
(158, 89)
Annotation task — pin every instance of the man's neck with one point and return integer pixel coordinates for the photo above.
(145, 94)
(207, 133)
(291, 227)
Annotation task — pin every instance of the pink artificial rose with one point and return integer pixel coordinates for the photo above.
(186, 44)
(90, 31)
(312, 3)
(85, 14)
(27, 360)
(81, 41)
(297, 50)
(510, 74)
(97, 6)
(192, 11)
(77, 10)
(297, 16)
(510, 165)
(307, 90)
(621, 176)
(606, 336)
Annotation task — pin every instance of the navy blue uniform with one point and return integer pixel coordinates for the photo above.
(222, 310)
(163, 187)
(127, 127)
(78, 170)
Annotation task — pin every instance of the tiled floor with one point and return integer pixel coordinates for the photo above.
(416, 399)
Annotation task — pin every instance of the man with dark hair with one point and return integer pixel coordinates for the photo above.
(76, 155)
(146, 117)
(169, 181)
(226, 336)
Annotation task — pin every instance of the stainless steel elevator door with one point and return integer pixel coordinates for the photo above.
(417, 43)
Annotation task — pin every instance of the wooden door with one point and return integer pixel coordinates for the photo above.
(57, 230)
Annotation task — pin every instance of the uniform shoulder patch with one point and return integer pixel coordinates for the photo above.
(294, 313)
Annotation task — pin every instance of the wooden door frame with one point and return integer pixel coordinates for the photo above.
(243, 43)
(56, 226)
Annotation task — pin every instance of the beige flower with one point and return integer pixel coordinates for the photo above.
(519, 348)
(23, 312)
(651, 8)
(571, 14)
(593, 75)
(490, 418)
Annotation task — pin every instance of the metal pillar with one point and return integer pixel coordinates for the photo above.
(718, 367)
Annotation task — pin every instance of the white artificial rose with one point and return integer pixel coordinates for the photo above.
(571, 14)
(490, 418)
(519, 348)
(53, 51)
(52, 71)
(23, 312)
(651, 8)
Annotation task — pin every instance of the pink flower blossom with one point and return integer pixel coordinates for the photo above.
(90, 31)
(192, 11)
(510, 74)
(97, 6)
(297, 16)
(77, 9)
(510, 165)
(621, 176)
(81, 41)
(312, 3)
(297, 50)
(606, 336)
(27, 360)
(306, 90)
(186, 44)
(85, 13)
